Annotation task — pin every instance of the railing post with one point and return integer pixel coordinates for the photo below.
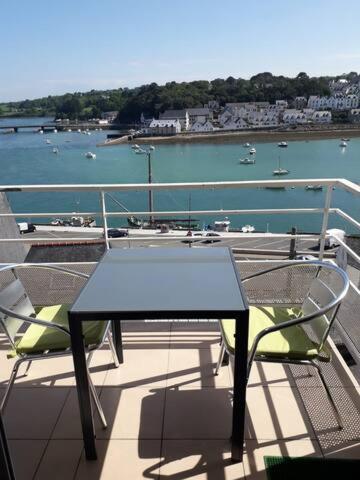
(104, 217)
(325, 220)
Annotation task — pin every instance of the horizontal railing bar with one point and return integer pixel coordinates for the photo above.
(180, 186)
(271, 211)
(347, 217)
(239, 236)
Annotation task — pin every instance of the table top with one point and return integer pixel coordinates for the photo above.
(161, 283)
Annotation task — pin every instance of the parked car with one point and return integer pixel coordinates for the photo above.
(25, 227)
(211, 240)
(116, 233)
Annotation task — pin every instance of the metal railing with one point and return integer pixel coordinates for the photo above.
(104, 214)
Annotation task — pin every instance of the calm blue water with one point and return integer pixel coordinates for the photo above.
(25, 158)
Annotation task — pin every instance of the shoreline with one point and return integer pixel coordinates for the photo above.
(241, 136)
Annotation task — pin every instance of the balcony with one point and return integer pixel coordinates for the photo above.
(168, 415)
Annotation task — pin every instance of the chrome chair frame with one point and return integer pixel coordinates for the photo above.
(332, 305)
(41, 356)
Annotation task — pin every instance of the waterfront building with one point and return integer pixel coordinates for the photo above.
(199, 115)
(321, 117)
(235, 123)
(294, 117)
(201, 126)
(181, 115)
(164, 127)
(354, 115)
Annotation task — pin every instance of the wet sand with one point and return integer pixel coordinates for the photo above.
(242, 137)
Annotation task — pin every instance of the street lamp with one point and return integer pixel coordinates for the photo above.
(148, 151)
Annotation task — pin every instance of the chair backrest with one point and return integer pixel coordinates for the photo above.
(322, 293)
(14, 297)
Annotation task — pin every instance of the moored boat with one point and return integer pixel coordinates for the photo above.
(282, 144)
(247, 161)
(252, 151)
(90, 155)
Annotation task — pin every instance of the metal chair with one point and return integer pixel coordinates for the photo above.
(289, 334)
(47, 335)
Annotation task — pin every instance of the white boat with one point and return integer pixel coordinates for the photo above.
(279, 170)
(135, 146)
(247, 145)
(48, 141)
(343, 144)
(248, 229)
(282, 144)
(88, 133)
(41, 131)
(69, 129)
(79, 130)
(222, 225)
(55, 150)
(313, 187)
(252, 151)
(247, 161)
(55, 131)
(90, 155)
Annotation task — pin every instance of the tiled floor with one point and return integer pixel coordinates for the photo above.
(168, 416)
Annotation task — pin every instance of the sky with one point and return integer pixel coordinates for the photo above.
(53, 47)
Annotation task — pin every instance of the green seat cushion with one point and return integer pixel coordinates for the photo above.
(291, 342)
(38, 339)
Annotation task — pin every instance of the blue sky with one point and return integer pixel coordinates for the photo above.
(50, 47)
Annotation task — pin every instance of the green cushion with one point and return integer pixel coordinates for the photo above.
(291, 343)
(37, 339)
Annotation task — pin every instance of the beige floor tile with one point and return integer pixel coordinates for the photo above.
(122, 459)
(199, 459)
(68, 425)
(254, 454)
(60, 460)
(132, 413)
(26, 456)
(32, 413)
(195, 368)
(141, 368)
(269, 374)
(194, 339)
(345, 450)
(198, 413)
(276, 412)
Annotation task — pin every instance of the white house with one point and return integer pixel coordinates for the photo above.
(199, 126)
(164, 127)
(294, 117)
(335, 102)
(199, 115)
(235, 123)
(181, 115)
(321, 117)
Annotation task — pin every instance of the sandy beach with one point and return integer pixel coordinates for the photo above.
(340, 131)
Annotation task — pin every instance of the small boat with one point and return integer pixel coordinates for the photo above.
(139, 151)
(282, 144)
(247, 145)
(279, 170)
(79, 130)
(88, 133)
(41, 131)
(275, 188)
(48, 141)
(252, 151)
(343, 144)
(90, 155)
(69, 130)
(55, 150)
(135, 146)
(55, 131)
(247, 161)
(248, 229)
(222, 225)
(313, 187)
(345, 139)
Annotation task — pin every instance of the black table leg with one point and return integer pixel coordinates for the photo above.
(117, 338)
(82, 385)
(240, 382)
(6, 468)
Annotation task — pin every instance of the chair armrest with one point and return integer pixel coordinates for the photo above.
(34, 320)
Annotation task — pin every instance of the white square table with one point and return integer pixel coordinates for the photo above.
(162, 283)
